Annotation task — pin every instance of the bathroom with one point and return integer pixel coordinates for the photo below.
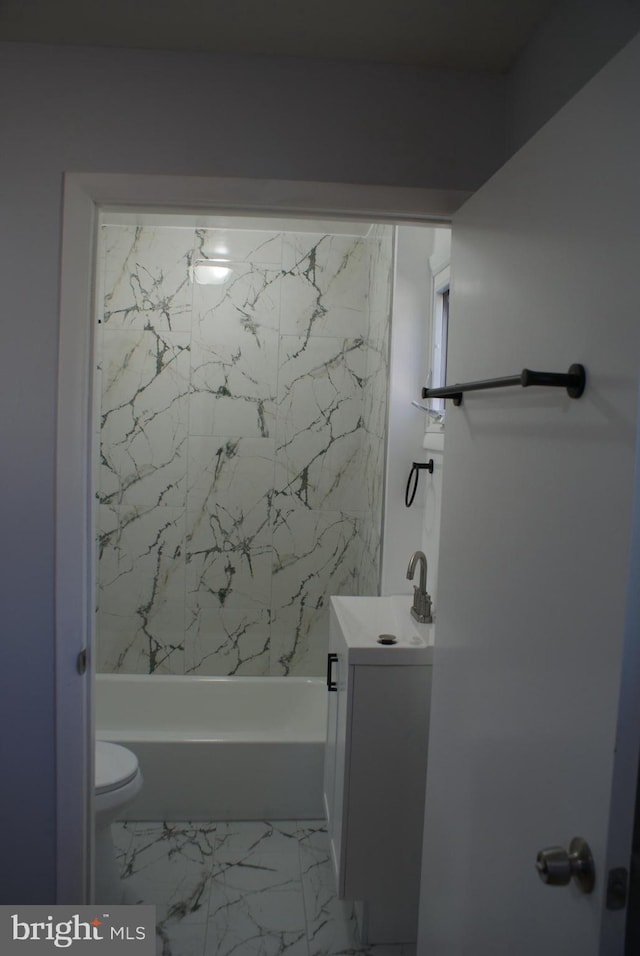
(254, 390)
(88, 127)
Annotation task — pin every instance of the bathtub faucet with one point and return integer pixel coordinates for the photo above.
(421, 607)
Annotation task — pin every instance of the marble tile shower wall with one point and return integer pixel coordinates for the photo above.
(240, 480)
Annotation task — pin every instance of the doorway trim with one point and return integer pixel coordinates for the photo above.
(84, 194)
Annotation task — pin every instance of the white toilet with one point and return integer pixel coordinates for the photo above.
(118, 781)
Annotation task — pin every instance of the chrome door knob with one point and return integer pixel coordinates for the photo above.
(556, 866)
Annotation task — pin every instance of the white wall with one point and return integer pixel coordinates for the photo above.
(113, 110)
(89, 109)
(408, 364)
(574, 41)
(432, 444)
(419, 250)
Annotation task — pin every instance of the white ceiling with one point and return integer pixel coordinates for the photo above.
(454, 34)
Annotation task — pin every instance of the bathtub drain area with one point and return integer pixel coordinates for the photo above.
(252, 888)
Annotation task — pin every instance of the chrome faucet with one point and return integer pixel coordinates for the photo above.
(421, 607)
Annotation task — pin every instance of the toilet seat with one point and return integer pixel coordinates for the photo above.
(118, 781)
(115, 767)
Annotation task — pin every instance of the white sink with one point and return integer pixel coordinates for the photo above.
(381, 630)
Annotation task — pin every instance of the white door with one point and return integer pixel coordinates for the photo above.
(536, 611)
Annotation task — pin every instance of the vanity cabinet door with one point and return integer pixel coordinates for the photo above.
(386, 783)
(374, 782)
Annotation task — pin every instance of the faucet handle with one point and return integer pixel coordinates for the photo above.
(427, 608)
(421, 608)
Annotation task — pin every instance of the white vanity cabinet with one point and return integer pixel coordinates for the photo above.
(376, 760)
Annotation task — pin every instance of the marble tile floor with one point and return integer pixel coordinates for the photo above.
(240, 889)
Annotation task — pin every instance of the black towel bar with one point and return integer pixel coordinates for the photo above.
(574, 381)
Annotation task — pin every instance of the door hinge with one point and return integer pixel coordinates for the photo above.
(617, 888)
(81, 662)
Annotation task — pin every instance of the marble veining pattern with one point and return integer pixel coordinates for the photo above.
(230, 889)
(229, 550)
(319, 433)
(232, 642)
(143, 418)
(324, 285)
(141, 601)
(235, 353)
(146, 277)
(242, 432)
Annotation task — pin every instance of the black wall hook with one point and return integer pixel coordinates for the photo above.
(412, 483)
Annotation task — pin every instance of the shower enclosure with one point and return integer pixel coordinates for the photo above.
(241, 439)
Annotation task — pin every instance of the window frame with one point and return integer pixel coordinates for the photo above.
(440, 298)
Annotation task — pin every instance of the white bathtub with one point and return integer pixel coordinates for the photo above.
(219, 748)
